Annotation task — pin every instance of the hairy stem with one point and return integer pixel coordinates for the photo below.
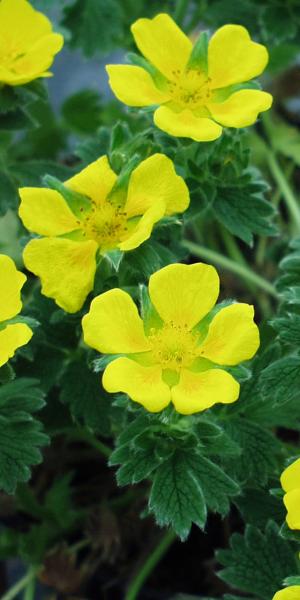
(23, 583)
(230, 265)
(150, 563)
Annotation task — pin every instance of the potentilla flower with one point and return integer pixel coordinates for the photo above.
(199, 89)
(290, 481)
(27, 43)
(289, 593)
(12, 334)
(178, 352)
(100, 217)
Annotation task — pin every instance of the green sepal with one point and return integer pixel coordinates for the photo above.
(199, 55)
(115, 257)
(76, 202)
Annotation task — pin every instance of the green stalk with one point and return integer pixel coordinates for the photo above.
(287, 193)
(21, 585)
(239, 269)
(180, 10)
(235, 254)
(30, 589)
(87, 436)
(149, 565)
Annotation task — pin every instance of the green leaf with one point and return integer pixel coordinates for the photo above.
(8, 193)
(82, 111)
(20, 432)
(258, 506)
(81, 391)
(95, 25)
(288, 328)
(257, 562)
(281, 378)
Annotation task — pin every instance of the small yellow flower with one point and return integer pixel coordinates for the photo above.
(107, 219)
(289, 593)
(290, 481)
(174, 353)
(197, 87)
(27, 43)
(12, 334)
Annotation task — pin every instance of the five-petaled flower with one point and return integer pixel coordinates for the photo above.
(27, 43)
(108, 218)
(198, 88)
(289, 593)
(12, 334)
(176, 351)
(290, 481)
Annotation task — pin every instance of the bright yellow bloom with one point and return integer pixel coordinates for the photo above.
(27, 43)
(174, 353)
(290, 481)
(289, 593)
(12, 334)
(198, 88)
(101, 218)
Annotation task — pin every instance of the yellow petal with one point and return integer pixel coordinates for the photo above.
(163, 43)
(11, 338)
(95, 181)
(142, 384)
(292, 504)
(113, 324)
(186, 124)
(154, 180)
(232, 335)
(290, 478)
(37, 59)
(241, 109)
(134, 86)
(66, 268)
(198, 391)
(45, 212)
(184, 294)
(289, 593)
(143, 229)
(12, 282)
(233, 57)
(19, 20)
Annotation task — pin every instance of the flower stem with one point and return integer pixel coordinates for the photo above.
(152, 560)
(24, 582)
(235, 254)
(285, 188)
(86, 436)
(30, 589)
(230, 265)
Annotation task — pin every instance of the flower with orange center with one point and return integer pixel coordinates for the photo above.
(199, 89)
(93, 217)
(180, 350)
(27, 43)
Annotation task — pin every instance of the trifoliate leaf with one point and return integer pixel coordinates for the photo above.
(20, 432)
(257, 563)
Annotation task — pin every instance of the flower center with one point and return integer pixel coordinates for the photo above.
(173, 346)
(190, 88)
(106, 224)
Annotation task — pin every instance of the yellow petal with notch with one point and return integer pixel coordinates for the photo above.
(13, 337)
(184, 294)
(186, 124)
(142, 384)
(241, 109)
(196, 392)
(45, 212)
(12, 282)
(134, 86)
(94, 181)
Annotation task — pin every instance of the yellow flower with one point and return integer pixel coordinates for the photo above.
(289, 593)
(174, 353)
(290, 481)
(12, 334)
(197, 87)
(99, 218)
(27, 43)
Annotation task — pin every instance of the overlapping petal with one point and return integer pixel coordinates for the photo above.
(113, 325)
(143, 229)
(163, 43)
(45, 212)
(12, 282)
(233, 57)
(141, 91)
(290, 478)
(241, 109)
(143, 384)
(196, 392)
(94, 181)
(23, 22)
(186, 124)
(154, 180)
(13, 337)
(66, 269)
(184, 294)
(232, 336)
